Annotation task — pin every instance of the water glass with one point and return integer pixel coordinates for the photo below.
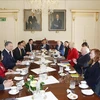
(60, 69)
(72, 84)
(19, 86)
(55, 61)
(43, 76)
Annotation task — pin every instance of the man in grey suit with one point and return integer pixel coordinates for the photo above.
(32, 20)
(57, 23)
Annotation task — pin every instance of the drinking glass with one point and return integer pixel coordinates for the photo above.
(60, 69)
(72, 84)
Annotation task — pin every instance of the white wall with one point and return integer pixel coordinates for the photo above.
(63, 4)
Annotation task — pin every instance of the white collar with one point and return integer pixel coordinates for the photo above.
(7, 50)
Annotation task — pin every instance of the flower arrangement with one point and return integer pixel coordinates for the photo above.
(31, 84)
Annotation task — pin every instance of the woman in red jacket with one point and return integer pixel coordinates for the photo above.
(3, 71)
(72, 54)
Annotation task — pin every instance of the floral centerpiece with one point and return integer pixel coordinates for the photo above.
(32, 84)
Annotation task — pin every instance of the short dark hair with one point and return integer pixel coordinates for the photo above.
(85, 44)
(7, 42)
(66, 41)
(30, 40)
(19, 43)
(22, 41)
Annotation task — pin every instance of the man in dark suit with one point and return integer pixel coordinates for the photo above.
(82, 63)
(8, 59)
(29, 46)
(66, 47)
(44, 45)
(32, 21)
(23, 49)
(5, 83)
(57, 23)
(18, 52)
(59, 47)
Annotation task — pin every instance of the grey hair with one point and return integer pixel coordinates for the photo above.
(7, 42)
(86, 49)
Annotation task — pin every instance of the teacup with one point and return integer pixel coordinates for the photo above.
(83, 82)
(23, 72)
(32, 57)
(14, 89)
(27, 63)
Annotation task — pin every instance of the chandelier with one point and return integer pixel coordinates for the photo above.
(39, 6)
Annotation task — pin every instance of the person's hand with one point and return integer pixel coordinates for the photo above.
(18, 63)
(8, 83)
(28, 53)
(75, 61)
(30, 22)
(7, 73)
(69, 60)
(10, 70)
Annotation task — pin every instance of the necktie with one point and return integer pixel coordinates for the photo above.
(20, 52)
(10, 54)
(30, 47)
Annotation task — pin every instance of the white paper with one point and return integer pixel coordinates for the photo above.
(38, 71)
(50, 80)
(7, 88)
(49, 96)
(26, 62)
(46, 61)
(44, 56)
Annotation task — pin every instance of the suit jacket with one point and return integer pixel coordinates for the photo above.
(82, 62)
(32, 19)
(60, 49)
(92, 74)
(66, 52)
(45, 47)
(23, 52)
(17, 55)
(2, 70)
(1, 83)
(72, 54)
(56, 24)
(28, 47)
(8, 61)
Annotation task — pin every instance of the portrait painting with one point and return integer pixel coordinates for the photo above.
(32, 21)
(57, 20)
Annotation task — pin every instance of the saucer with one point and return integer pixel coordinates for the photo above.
(18, 78)
(72, 72)
(72, 96)
(23, 73)
(87, 92)
(13, 93)
(67, 69)
(83, 86)
(62, 74)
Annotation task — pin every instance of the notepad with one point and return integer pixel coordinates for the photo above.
(74, 75)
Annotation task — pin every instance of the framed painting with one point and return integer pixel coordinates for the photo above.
(32, 21)
(57, 20)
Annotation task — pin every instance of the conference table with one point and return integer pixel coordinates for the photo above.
(58, 89)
